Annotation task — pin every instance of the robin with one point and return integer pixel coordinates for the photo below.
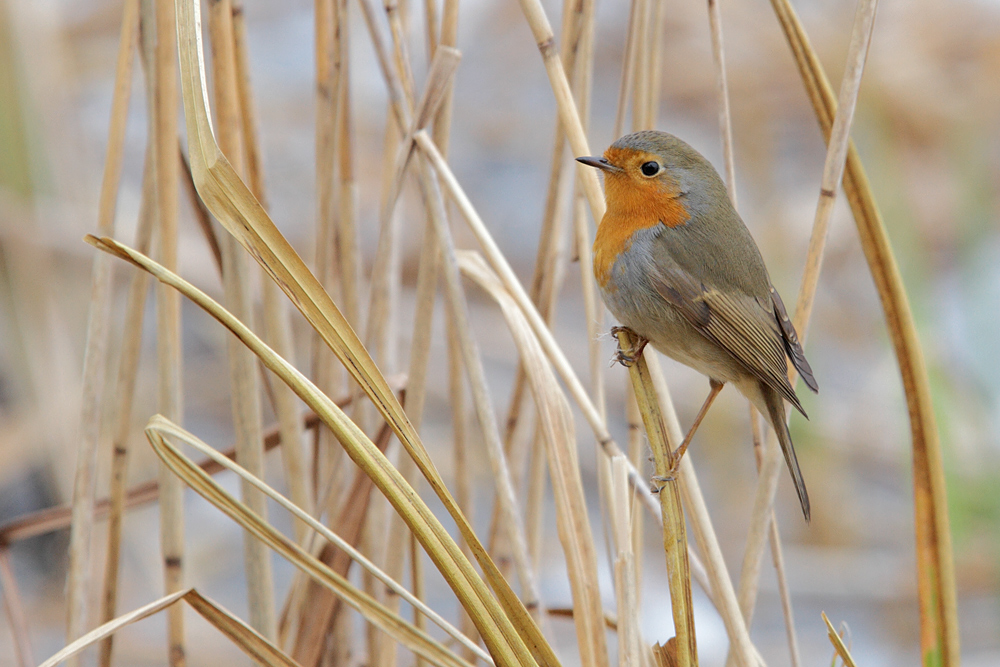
(678, 267)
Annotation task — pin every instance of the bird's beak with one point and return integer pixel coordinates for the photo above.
(599, 163)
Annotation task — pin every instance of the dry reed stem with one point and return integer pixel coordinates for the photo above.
(569, 115)
(123, 390)
(778, 558)
(168, 324)
(387, 251)
(14, 607)
(836, 157)
(722, 91)
(277, 321)
(327, 534)
(242, 635)
(94, 394)
(674, 529)
(939, 635)
(636, 10)
(556, 425)
(761, 516)
(243, 378)
(319, 610)
(503, 640)
(626, 581)
(419, 360)
(347, 249)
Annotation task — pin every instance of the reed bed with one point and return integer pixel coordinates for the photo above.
(378, 517)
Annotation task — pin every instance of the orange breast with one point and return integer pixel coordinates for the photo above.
(632, 205)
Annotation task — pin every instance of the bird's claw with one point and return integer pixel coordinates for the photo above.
(627, 359)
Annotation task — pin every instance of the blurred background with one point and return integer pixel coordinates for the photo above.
(926, 129)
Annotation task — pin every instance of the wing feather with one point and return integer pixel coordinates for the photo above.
(738, 323)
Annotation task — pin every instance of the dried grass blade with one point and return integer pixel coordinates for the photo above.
(836, 157)
(167, 428)
(502, 639)
(251, 642)
(838, 643)
(110, 627)
(674, 529)
(939, 637)
(556, 424)
(157, 430)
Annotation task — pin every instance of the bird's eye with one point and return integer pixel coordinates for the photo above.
(650, 168)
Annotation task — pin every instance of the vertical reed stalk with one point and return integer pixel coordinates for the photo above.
(168, 305)
(95, 354)
(124, 390)
(674, 530)
(243, 374)
(277, 321)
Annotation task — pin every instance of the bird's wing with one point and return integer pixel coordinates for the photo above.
(739, 323)
(792, 345)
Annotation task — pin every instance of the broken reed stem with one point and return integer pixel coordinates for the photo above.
(123, 390)
(96, 351)
(674, 530)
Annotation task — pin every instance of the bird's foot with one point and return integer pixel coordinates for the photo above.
(658, 482)
(629, 358)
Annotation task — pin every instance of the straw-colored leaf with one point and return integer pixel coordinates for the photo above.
(242, 635)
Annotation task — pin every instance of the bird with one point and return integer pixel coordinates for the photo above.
(677, 266)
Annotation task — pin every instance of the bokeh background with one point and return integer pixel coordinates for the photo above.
(927, 129)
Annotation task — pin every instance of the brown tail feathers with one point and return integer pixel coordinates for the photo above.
(776, 415)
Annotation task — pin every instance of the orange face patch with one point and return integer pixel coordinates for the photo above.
(634, 202)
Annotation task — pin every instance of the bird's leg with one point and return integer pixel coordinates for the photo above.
(627, 358)
(716, 387)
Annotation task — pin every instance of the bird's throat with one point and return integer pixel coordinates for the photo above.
(632, 207)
